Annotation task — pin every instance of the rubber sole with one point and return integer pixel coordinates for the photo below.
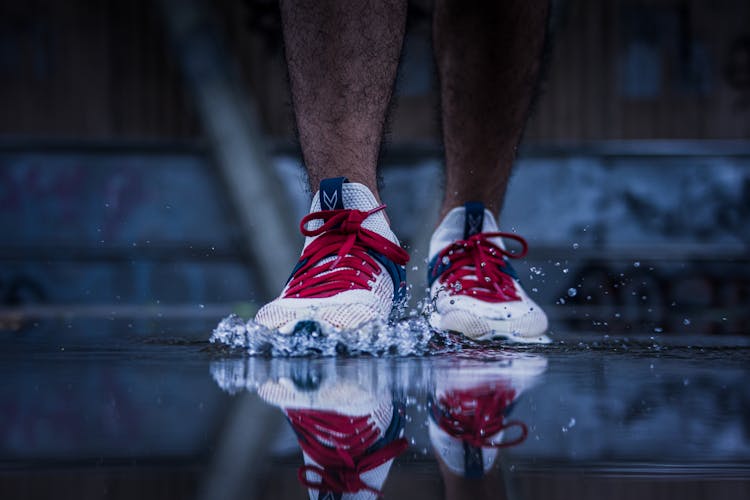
(494, 330)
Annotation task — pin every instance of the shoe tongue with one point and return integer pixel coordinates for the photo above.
(339, 194)
(331, 193)
(462, 222)
(473, 219)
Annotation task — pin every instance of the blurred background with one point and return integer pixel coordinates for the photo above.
(151, 184)
(135, 137)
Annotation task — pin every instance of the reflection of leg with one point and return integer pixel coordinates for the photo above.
(491, 485)
(342, 58)
(488, 58)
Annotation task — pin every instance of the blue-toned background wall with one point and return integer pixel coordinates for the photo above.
(633, 186)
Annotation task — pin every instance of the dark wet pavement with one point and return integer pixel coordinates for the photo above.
(134, 415)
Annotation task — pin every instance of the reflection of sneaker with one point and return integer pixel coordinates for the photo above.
(349, 436)
(352, 267)
(475, 289)
(468, 414)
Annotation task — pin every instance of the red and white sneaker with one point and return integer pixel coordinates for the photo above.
(474, 288)
(351, 270)
(349, 435)
(469, 419)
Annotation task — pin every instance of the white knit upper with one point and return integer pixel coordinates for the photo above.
(471, 316)
(348, 309)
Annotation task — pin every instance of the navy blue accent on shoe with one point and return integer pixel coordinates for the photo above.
(299, 264)
(393, 432)
(306, 378)
(307, 327)
(434, 272)
(473, 219)
(331, 193)
(473, 462)
(397, 274)
(509, 270)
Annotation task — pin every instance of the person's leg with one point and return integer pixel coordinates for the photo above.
(342, 57)
(488, 56)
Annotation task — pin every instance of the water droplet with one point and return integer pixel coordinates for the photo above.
(658, 329)
(636, 264)
(201, 306)
(565, 271)
(446, 260)
(572, 292)
(686, 322)
(483, 264)
(575, 246)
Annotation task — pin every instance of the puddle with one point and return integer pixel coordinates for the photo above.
(403, 411)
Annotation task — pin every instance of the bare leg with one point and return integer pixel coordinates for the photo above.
(342, 57)
(492, 485)
(488, 56)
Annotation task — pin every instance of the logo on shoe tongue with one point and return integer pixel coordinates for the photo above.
(474, 218)
(331, 201)
(331, 193)
(475, 223)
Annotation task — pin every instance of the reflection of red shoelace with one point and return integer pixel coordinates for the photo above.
(476, 415)
(342, 235)
(339, 443)
(481, 259)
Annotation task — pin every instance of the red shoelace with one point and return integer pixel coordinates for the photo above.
(339, 443)
(476, 415)
(475, 267)
(342, 235)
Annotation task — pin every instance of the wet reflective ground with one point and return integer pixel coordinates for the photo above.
(141, 415)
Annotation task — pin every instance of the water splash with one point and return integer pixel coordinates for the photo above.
(408, 337)
(383, 375)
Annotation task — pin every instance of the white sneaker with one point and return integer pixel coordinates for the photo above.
(474, 288)
(349, 434)
(351, 270)
(469, 412)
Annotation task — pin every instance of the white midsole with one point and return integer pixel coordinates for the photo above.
(498, 329)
